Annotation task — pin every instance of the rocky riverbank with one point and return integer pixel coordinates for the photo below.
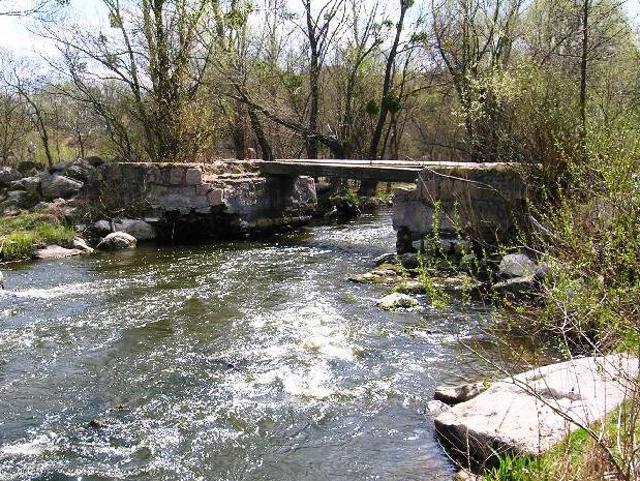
(530, 413)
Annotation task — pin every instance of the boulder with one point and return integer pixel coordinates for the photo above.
(102, 227)
(404, 241)
(376, 276)
(17, 199)
(81, 170)
(117, 241)
(56, 252)
(139, 229)
(55, 186)
(516, 265)
(345, 207)
(435, 408)
(454, 246)
(71, 214)
(464, 475)
(397, 301)
(530, 413)
(7, 176)
(459, 393)
(80, 244)
(31, 185)
(409, 260)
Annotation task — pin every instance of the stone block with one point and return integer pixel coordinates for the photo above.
(215, 196)
(193, 176)
(532, 412)
(154, 175)
(177, 175)
(203, 189)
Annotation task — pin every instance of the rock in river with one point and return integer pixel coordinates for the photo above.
(396, 301)
(460, 393)
(532, 412)
(117, 241)
(138, 228)
(56, 252)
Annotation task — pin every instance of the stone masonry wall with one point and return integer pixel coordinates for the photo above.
(208, 200)
(486, 201)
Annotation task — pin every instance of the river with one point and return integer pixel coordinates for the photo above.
(231, 361)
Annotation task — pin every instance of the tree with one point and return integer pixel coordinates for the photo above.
(474, 39)
(319, 32)
(14, 121)
(573, 36)
(21, 80)
(153, 54)
(389, 99)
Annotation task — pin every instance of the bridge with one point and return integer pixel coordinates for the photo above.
(234, 196)
(374, 170)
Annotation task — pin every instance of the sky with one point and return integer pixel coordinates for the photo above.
(16, 34)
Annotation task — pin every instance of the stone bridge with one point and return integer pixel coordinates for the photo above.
(484, 200)
(231, 197)
(380, 170)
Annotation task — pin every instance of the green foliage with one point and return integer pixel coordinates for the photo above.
(372, 108)
(238, 17)
(519, 468)
(428, 265)
(591, 237)
(20, 235)
(392, 101)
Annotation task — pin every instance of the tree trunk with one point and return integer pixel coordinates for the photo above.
(256, 125)
(583, 76)
(386, 87)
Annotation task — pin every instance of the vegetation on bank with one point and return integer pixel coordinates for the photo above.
(22, 234)
(588, 232)
(580, 456)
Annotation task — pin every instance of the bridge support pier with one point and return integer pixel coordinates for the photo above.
(485, 202)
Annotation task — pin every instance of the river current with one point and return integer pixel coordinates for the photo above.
(230, 361)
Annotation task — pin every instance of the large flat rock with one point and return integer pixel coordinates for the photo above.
(533, 411)
(56, 252)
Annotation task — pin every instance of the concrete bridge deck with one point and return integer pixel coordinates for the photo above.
(380, 170)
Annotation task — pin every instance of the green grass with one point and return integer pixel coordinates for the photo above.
(544, 468)
(20, 235)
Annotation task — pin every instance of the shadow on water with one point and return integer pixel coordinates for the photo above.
(232, 361)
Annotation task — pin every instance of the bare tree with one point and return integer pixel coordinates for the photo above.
(389, 97)
(22, 81)
(474, 37)
(154, 51)
(14, 120)
(320, 29)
